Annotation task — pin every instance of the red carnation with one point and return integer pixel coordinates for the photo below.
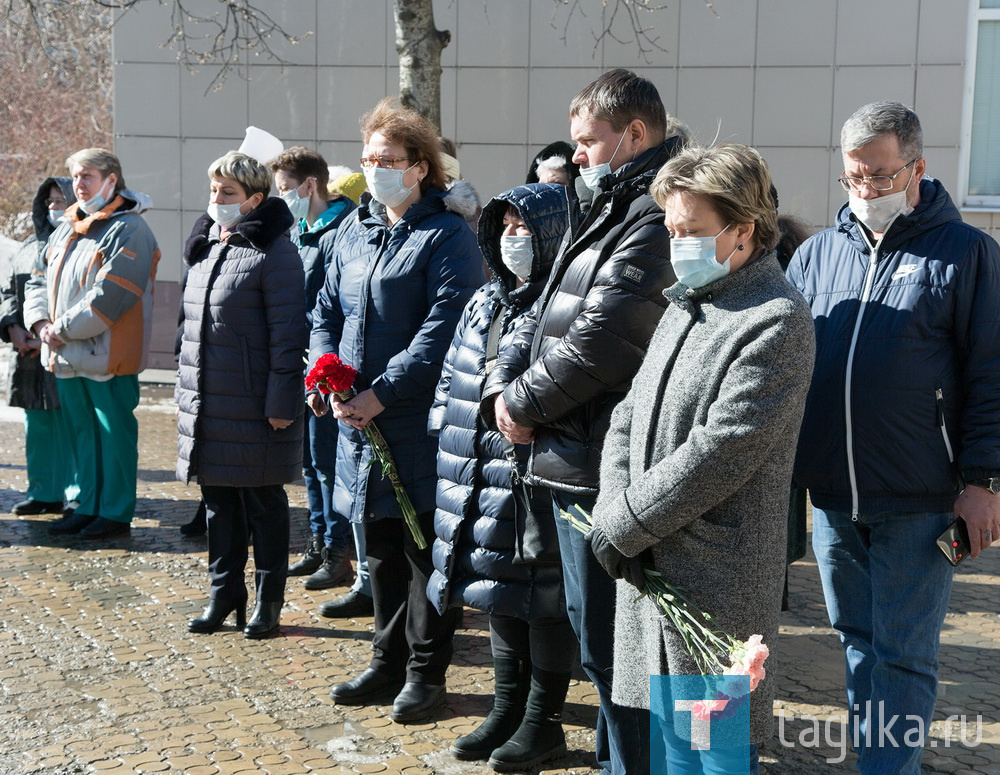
(331, 375)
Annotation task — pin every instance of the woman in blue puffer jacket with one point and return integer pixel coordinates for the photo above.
(401, 273)
(480, 491)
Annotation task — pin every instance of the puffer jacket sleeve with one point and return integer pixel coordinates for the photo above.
(327, 315)
(435, 420)
(282, 284)
(130, 255)
(604, 346)
(513, 362)
(10, 309)
(977, 333)
(36, 297)
(762, 394)
(454, 271)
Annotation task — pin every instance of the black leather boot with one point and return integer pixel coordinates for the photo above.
(511, 679)
(312, 558)
(540, 736)
(335, 569)
(264, 621)
(216, 612)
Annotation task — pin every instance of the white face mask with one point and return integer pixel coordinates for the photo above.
(97, 201)
(226, 216)
(517, 255)
(592, 175)
(694, 260)
(299, 205)
(879, 213)
(55, 216)
(386, 186)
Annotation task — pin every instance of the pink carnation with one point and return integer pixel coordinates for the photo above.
(705, 708)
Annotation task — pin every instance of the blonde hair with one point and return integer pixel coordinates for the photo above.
(101, 160)
(245, 170)
(409, 129)
(734, 178)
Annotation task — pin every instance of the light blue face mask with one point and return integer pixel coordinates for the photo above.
(298, 204)
(592, 175)
(517, 255)
(694, 260)
(226, 215)
(97, 201)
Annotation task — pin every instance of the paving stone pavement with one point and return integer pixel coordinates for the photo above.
(99, 674)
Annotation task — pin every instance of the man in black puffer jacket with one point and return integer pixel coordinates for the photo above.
(576, 357)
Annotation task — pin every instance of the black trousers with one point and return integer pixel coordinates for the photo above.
(547, 642)
(234, 513)
(411, 638)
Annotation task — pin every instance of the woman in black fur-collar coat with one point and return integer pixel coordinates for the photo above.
(239, 386)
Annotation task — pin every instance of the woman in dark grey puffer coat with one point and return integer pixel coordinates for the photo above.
(239, 386)
(474, 553)
(696, 469)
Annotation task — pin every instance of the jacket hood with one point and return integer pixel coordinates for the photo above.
(936, 208)
(543, 207)
(39, 210)
(262, 226)
(460, 198)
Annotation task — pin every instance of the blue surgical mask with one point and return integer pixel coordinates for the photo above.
(226, 216)
(386, 186)
(694, 260)
(55, 216)
(592, 175)
(97, 201)
(299, 205)
(517, 255)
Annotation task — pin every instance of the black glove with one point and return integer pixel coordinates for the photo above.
(617, 565)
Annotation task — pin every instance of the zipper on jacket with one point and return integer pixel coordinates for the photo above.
(848, 418)
(939, 395)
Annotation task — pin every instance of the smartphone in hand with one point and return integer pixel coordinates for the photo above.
(954, 542)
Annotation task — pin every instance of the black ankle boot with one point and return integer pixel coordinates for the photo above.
(312, 558)
(540, 736)
(216, 612)
(511, 678)
(264, 621)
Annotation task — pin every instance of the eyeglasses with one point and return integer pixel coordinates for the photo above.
(877, 182)
(385, 162)
(60, 202)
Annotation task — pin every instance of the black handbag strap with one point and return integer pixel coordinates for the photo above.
(492, 353)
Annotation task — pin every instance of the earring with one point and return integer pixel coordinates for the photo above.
(740, 246)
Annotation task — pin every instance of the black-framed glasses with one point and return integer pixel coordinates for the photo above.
(877, 182)
(385, 162)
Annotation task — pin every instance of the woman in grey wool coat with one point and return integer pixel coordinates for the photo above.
(697, 465)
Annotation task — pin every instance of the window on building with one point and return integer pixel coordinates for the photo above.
(982, 135)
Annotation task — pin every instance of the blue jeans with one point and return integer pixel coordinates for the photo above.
(887, 587)
(681, 760)
(319, 462)
(622, 746)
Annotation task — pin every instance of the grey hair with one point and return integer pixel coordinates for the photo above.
(101, 160)
(245, 170)
(879, 118)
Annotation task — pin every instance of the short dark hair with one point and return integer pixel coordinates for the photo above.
(302, 163)
(620, 97)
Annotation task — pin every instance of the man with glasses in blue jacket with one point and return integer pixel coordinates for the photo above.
(901, 434)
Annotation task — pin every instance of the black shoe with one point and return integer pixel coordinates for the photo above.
(540, 736)
(366, 689)
(416, 702)
(264, 621)
(198, 525)
(349, 606)
(29, 507)
(334, 570)
(105, 528)
(312, 558)
(71, 524)
(511, 679)
(216, 612)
